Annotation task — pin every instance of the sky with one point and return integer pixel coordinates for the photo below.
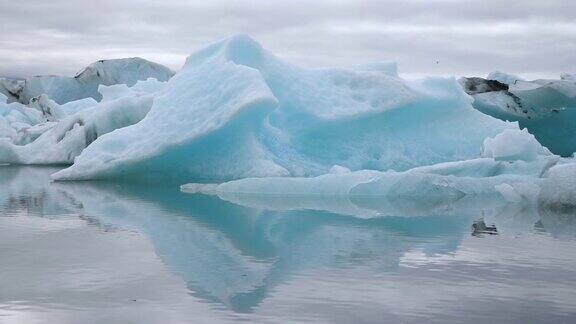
(531, 38)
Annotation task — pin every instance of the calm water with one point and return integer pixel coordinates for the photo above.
(94, 252)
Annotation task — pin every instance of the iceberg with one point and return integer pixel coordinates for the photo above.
(60, 143)
(45, 132)
(547, 108)
(85, 84)
(14, 117)
(237, 120)
(236, 111)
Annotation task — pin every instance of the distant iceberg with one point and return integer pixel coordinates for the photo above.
(85, 84)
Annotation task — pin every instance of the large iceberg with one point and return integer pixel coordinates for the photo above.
(85, 84)
(237, 111)
(236, 120)
(547, 108)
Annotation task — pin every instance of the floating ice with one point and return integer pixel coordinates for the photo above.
(511, 175)
(45, 132)
(547, 108)
(63, 141)
(513, 145)
(559, 189)
(416, 183)
(237, 111)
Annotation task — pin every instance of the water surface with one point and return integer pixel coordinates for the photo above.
(97, 252)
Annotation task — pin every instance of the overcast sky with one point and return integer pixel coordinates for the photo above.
(534, 38)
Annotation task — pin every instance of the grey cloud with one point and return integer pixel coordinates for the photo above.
(465, 37)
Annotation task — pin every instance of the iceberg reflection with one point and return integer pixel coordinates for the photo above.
(235, 252)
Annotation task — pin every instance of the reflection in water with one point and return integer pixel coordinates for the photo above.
(236, 251)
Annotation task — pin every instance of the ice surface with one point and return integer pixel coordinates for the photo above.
(11, 88)
(85, 84)
(568, 76)
(116, 91)
(512, 173)
(236, 111)
(50, 110)
(513, 145)
(559, 188)
(73, 107)
(15, 117)
(415, 184)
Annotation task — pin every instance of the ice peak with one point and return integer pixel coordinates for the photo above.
(244, 50)
(240, 49)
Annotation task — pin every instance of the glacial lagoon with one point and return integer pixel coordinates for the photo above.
(101, 252)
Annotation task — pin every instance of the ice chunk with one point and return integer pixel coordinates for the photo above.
(547, 108)
(28, 134)
(50, 110)
(568, 76)
(235, 110)
(85, 84)
(452, 180)
(11, 88)
(63, 141)
(559, 189)
(513, 145)
(368, 184)
(14, 117)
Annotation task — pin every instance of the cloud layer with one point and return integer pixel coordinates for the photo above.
(462, 37)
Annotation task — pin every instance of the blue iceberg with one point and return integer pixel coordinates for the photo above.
(237, 111)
